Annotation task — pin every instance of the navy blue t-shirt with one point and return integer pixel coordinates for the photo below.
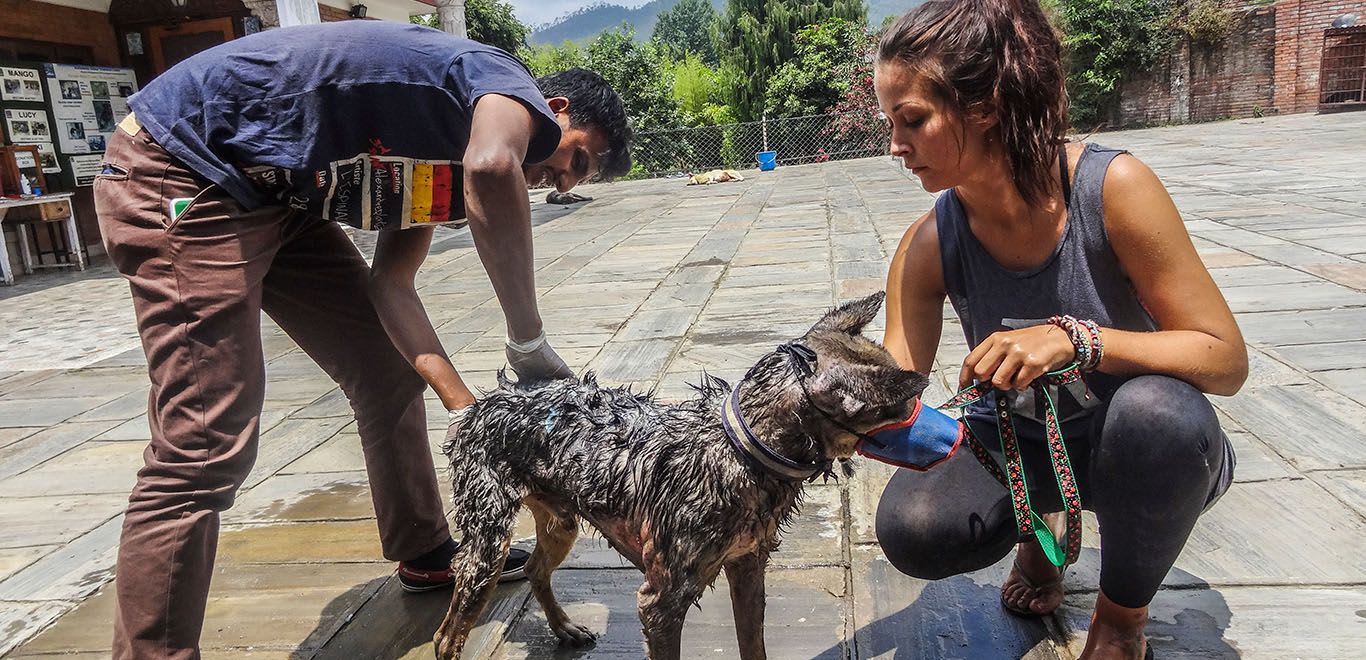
(362, 122)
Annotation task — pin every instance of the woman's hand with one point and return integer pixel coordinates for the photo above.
(1012, 359)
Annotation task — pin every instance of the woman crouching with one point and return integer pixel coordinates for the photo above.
(1051, 253)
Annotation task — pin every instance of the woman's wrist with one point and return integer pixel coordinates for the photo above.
(1085, 337)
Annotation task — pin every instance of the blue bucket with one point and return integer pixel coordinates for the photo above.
(768, 160)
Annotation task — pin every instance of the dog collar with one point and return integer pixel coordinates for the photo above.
(758, 453)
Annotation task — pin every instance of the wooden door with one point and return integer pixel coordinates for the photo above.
(173, 43)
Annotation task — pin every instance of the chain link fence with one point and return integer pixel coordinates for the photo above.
(795, 140)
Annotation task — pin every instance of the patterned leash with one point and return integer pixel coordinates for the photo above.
(1013, 478)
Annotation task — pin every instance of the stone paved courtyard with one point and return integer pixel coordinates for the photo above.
(651, 284)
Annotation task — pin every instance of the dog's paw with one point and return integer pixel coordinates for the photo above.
(574, 634)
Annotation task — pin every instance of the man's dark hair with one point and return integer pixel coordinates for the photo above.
(592, 102)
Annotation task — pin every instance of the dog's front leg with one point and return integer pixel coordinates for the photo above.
(746, 578)
(663, 608)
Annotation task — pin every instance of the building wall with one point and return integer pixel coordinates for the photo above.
(1299, 45)
(1268, 64)
(40, 21)
(385, 10)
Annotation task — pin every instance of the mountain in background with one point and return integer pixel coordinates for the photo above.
(582, 25)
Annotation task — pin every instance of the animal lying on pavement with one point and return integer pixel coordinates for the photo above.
(714, 176)
(684, 491)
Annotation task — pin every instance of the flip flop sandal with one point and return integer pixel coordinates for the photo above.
(1035, 586)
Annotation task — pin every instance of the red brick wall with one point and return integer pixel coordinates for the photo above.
(1203, 82)
(1268, 64)
(1299, 44)
(39, 21)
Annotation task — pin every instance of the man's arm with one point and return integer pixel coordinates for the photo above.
(393, 291)
(499, 211)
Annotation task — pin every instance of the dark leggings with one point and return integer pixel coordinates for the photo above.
(1147, 465)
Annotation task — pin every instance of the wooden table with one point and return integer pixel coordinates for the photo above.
(73, 239)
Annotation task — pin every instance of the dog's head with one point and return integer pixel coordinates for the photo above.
(833, 380)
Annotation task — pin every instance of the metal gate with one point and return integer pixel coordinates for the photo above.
(1342, 71)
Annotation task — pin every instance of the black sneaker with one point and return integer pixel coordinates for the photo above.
(414, 579)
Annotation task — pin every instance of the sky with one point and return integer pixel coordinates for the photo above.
(537, 12)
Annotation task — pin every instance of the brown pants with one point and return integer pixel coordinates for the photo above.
(199, 284)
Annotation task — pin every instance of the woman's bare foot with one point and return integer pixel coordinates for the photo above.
(1033, 586)
(1116, 632)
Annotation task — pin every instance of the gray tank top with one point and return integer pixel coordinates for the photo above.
(1081, 278)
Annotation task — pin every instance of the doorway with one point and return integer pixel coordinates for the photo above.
(169, 44)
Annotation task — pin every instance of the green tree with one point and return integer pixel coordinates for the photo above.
(686, 29)
(757, 36)
(1106, 40)
(488, 22)
(700, 92)
(819, 73)
(638, 74)
(548, 59)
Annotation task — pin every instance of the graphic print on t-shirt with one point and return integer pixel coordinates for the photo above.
(373, 190)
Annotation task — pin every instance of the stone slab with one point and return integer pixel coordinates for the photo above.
(1351, 382)
(289, 440)
(1251, 623)
(1259, 275)
(1270, 413)
(803, 618)
(622, 361)
(304, 542)
(898, 616)
(11, 435)
(71, 572)
(1350, 275)
(1284, 532)
(399, 625)
(1298, 296)
(1326, 356)
(1349, 486)
(257, 608)
(91, 468)
(304, 497)
(45, 412)
(12, 560)
(46, 520)
(19, 621)
(123, 408)
(666, 323)
(340, 453)
(1256, 461)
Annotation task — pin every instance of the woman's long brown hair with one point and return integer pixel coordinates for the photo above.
(999, 56)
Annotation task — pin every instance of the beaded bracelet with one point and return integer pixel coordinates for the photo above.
(1085, 337)
(1097, 345)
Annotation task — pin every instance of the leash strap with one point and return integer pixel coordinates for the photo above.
(1013, 477)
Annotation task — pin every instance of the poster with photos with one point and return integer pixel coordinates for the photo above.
(48, 156)
(27, 126)
(87, 103)
(20, 84)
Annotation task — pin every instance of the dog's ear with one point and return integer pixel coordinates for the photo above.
(852, 316)
(864, 393)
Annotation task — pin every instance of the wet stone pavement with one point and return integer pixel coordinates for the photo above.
(651, 284)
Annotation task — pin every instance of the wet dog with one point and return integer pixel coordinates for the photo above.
(683, 491)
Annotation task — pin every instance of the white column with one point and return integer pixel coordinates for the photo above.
(452, 15)
(298, 12)
(264, 10)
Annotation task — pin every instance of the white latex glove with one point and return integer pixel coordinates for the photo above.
(456, 417)
(536, 360)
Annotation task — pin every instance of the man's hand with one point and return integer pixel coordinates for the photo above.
(536, 360)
